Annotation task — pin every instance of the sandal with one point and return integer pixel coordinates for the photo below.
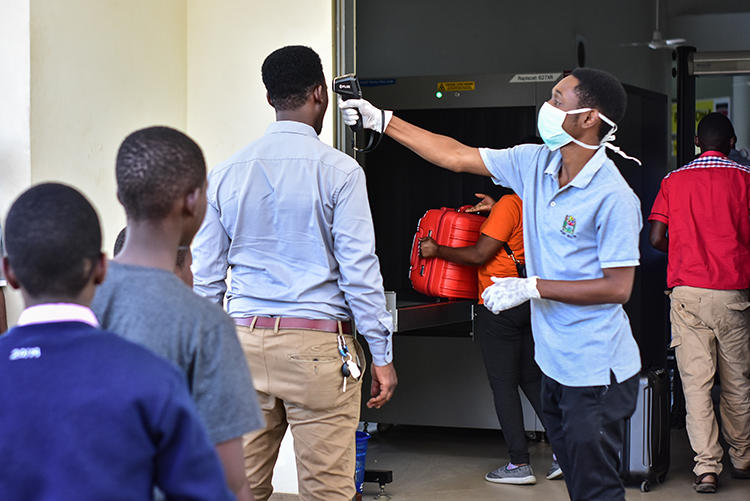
(706, 483)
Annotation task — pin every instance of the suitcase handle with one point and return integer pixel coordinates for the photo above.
(464, 208)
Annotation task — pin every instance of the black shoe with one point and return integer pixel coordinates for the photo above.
(743, 473)
(706, 483)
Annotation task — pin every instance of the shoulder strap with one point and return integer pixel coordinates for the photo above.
(509, 251)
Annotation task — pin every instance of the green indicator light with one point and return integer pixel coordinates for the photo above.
(439, 95)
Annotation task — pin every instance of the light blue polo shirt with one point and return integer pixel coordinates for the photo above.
(572, 233)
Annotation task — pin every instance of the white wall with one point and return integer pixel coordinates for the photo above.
(227, 43)
(78, 76)
(100, 70)
(15, 157)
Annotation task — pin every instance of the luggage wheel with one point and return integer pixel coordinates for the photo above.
(645, 486)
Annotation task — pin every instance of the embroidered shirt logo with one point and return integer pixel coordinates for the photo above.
(25, 353)
(569, 226)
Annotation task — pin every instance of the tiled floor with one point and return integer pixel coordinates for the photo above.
(442, 464)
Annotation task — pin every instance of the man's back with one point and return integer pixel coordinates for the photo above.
(706, 205)
(153, 308)
(297, 232)
(91, 416)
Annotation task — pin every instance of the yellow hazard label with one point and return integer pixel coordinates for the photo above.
(455, 86)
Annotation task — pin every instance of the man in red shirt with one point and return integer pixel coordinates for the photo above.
(701, 217)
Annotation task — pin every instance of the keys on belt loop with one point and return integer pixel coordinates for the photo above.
(348, 367)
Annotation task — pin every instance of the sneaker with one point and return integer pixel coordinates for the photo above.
(554, 471)
(512, 474)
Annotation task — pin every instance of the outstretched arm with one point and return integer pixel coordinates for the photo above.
(440, 150)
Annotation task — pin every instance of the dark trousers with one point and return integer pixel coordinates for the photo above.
(586, 428)
(508, 352)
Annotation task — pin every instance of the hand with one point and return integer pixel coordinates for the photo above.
(485, 204)
(372, 118)
(507, 293)
(428, 247)
(384, 382)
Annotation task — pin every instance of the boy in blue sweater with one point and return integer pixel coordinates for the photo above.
(87, 414)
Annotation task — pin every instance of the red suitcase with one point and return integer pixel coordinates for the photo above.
(438, 277)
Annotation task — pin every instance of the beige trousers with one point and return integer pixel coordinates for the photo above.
(710, 331)
(298, 379)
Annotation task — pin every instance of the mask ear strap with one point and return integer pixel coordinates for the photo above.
(607, 140)
(617, 150)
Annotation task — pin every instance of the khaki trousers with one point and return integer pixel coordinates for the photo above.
(298, 379)
(710, 330)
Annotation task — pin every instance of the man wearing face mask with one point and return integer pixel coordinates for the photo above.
(581, 227)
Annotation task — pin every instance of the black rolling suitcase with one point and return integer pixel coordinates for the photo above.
(645, 455)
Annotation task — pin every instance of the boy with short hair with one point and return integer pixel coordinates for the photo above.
(161, 183)
(88, 415)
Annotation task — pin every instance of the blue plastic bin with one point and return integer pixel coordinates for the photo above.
(359, 471)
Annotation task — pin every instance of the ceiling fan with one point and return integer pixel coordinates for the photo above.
(657, 42)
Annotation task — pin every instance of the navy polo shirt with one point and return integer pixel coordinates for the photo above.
(572, 233)
(87, 415)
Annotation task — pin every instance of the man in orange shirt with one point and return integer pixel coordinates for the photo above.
(505, 339)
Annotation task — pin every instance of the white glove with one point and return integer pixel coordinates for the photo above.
(509, 292)
(372, 118)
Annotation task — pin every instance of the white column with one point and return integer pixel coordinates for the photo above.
(15, 132)
(741, 110)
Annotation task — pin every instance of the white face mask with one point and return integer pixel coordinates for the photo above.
(550, 125)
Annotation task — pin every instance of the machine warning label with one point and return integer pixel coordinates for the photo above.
(534, 77)
(455, 86)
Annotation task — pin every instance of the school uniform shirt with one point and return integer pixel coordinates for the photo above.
(87, 415)
(290, 216)
(505, 224)
(573, 233)
(706, 206)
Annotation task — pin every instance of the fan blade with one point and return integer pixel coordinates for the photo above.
(633, 44)
(673, 42)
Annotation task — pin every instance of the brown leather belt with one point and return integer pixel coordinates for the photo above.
(295, 323)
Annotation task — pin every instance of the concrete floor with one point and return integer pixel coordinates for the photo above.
(447, 464)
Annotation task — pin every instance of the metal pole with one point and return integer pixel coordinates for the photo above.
(685, 106)
(344, 61)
